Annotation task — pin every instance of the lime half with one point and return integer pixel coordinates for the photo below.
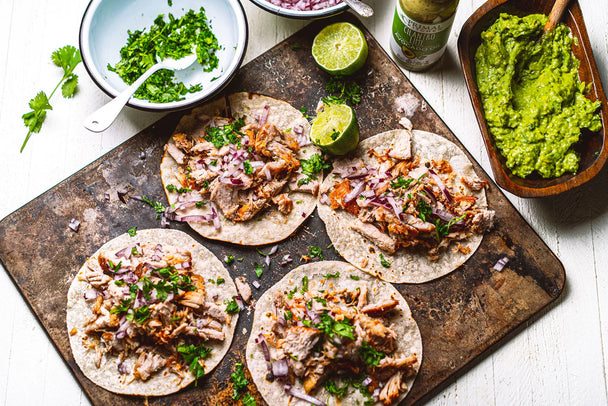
(340, 49)
(335, 129)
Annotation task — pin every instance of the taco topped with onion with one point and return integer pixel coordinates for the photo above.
(242, 169)
(147, 314)
(329, 334)
(407, 207)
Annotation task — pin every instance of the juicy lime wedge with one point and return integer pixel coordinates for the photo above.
(335, 130)
(340, 49)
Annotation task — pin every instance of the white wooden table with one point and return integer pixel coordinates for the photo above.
(557, 360)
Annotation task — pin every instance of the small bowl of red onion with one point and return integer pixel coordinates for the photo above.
(302, 9)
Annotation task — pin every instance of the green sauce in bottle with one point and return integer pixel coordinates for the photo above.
(421, 29)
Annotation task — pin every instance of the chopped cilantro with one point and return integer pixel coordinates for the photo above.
(311, 166)
(304, 284)
(331, 387)
(424, 210)
(401, 182)
(226, 134)
(174, 38)
(171, 188)
(330, 275)
(132, 231)
(249, 400)
(315, 252)
(288, 315)
(248, 168)
(258, 269)
(220, 281)
(384, 262)
(239, 381)
(344, 90)
(292, 292)
(231, 306)
(331, 327)
(229, 259)
(192, 355)
(199, 204)
(354, 277)
(369, 355)
(321, 300)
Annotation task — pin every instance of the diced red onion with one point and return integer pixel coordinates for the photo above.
(91, 294)
(170, 297)
(304, 214)
(267, 173)
(239, 302)
(312, 315)
(74, 225)
(366, 381)
(267, 260)
(355, 192)
(216, 219)
(262, 342)
(256, 284)
(256, 164)
(281, 320)
(264, 115)
(285, 260)
(325, 199)
(445, 216)
(135, 197)
(397, 208)
(368, 193)
(125, 252)
(123, 368)
(106, 196)
(183, 265)
(273, 250)
(303, 396)
(280, 368)
(502, 262)
(441, 185)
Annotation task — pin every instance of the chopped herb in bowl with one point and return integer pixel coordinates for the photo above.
(167, 38)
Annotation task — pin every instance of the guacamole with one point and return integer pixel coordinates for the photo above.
(533, 99)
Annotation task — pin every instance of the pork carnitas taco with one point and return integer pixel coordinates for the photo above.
(406, 207)
(329, 334)
(147, 316)
(242, 169)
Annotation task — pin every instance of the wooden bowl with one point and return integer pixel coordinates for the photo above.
(592, 147)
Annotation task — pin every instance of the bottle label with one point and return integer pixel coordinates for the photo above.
(418, 44)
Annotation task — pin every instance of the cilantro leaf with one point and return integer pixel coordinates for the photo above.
(384, 262)
(67, 58)
(249, 400)
(68, 89)
(331, 387)
(132, 231)
(231, 306)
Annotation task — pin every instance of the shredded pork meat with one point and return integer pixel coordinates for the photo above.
(243, 169)
(150, 305)
(327, 334)
(400, 201)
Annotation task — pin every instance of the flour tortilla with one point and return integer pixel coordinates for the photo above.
(408, 265)
(270, 225)
(409, 339)
(162, 382)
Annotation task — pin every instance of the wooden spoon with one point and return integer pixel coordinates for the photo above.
(556, 14)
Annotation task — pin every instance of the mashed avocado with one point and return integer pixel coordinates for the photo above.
(534, 101)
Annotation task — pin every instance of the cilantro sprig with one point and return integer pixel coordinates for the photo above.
(67, 58)
(239, 381)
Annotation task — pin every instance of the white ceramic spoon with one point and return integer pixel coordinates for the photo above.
(103, 117)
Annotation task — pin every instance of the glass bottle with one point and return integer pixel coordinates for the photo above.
(421, 29)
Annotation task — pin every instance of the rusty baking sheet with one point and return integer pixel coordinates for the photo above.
(460, 315)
